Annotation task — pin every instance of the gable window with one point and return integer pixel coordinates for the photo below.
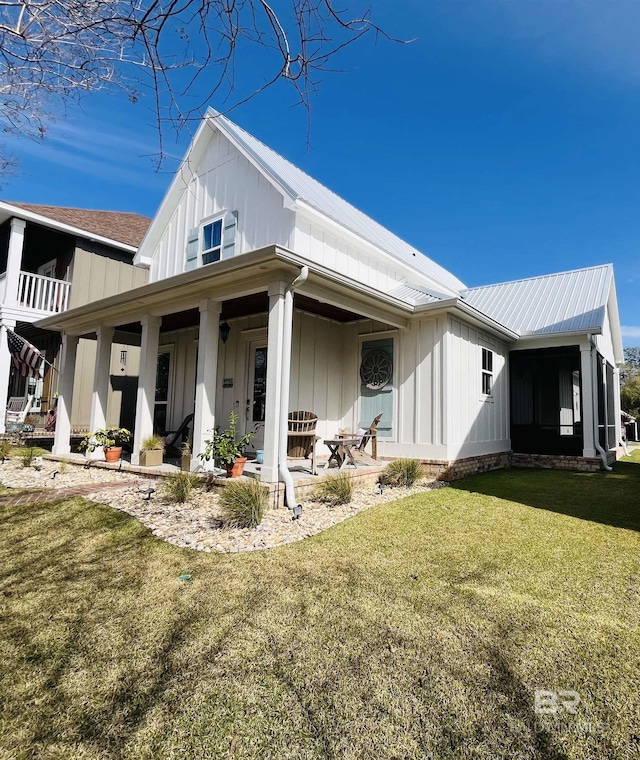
(212, 242)
(487, 372)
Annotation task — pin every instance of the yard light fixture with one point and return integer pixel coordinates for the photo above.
(225, 329)
(380, 488)
(54, 473)
(297, 511)
(147, 493)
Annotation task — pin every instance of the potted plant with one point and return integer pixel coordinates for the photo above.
(225, 450)
(151, 451)
(109, 439)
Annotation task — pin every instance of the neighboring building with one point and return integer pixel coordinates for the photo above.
(460, 375)
(53, 259)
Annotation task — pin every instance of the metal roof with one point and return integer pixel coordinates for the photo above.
(300, 186)
(415, 295)
(572, 301)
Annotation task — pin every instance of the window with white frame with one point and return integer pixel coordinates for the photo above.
(212, 242)
(487, 372)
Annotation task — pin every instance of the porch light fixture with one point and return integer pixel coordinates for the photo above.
(225, 329)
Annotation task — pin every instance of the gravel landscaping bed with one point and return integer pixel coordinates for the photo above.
(14, 475)
(198, 524)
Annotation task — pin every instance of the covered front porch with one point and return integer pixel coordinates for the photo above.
(235, 337)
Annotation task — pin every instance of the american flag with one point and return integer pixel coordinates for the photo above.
(26, 357)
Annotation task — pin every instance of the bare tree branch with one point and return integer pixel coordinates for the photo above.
(185, 52)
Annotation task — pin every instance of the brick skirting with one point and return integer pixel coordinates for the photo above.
(462, 468)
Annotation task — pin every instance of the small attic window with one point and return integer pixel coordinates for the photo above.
(212, 242)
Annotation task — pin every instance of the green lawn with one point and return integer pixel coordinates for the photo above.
(419, 629)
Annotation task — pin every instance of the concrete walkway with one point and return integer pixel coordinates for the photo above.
(56, 494)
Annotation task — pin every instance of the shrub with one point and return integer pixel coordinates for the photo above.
(28, 455)
(243, 503)
(335, 489)
(178, 487)
(402, 472)
(152, 443)
(5, 449)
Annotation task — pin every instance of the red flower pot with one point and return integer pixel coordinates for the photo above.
(236, 469)
(112, 453)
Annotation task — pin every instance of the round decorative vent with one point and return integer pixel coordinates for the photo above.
(376, 370)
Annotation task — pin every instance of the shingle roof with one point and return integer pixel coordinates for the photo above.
(121, 226)
(565, 302)
(303, 187)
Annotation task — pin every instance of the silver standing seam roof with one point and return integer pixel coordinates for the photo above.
(300, 186)
(574, 301)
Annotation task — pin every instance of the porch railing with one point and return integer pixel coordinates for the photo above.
(35, 291)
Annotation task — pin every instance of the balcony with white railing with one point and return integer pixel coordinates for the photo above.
(43, 294)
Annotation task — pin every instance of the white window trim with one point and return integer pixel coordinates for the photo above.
(219, 217)
(380, 336)
(487, 397)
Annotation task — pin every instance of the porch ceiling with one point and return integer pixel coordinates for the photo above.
(241, 283)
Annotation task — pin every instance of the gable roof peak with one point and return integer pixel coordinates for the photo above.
(300, 186)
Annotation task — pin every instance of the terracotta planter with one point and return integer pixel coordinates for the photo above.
(236, 469)
(112, 453)
(151, 458)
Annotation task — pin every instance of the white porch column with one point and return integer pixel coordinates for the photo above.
(14, 261)
(206, 377)
(587, 386)
(269, 472)
(5, 369)
(146, 382)
(101, 384)
(62, 438)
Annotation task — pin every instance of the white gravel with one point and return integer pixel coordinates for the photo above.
(197, 524)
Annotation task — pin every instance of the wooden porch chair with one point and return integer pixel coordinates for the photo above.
(359, 454)
(18, 408)
(302, 438)
(173, 439)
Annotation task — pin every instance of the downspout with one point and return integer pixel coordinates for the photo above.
(594, 401)
(289, 493)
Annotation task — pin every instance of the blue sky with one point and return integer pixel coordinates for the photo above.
(503, 142)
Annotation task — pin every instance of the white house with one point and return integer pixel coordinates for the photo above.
(325, 310)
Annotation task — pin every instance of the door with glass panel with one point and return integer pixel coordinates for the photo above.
(163, 385)
(257, 393)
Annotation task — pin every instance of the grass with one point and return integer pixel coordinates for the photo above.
(334, 489)
(402, 472)
(418, 629)
(243, 503)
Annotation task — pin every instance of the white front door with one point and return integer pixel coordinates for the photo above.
(257, 393)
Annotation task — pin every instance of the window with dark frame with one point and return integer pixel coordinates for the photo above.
(487, 372)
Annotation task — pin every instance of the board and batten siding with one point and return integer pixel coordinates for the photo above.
(94, 277)
(477, 424)
(224, 180)
(122, 385)
(316, 370)
(340, 255)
